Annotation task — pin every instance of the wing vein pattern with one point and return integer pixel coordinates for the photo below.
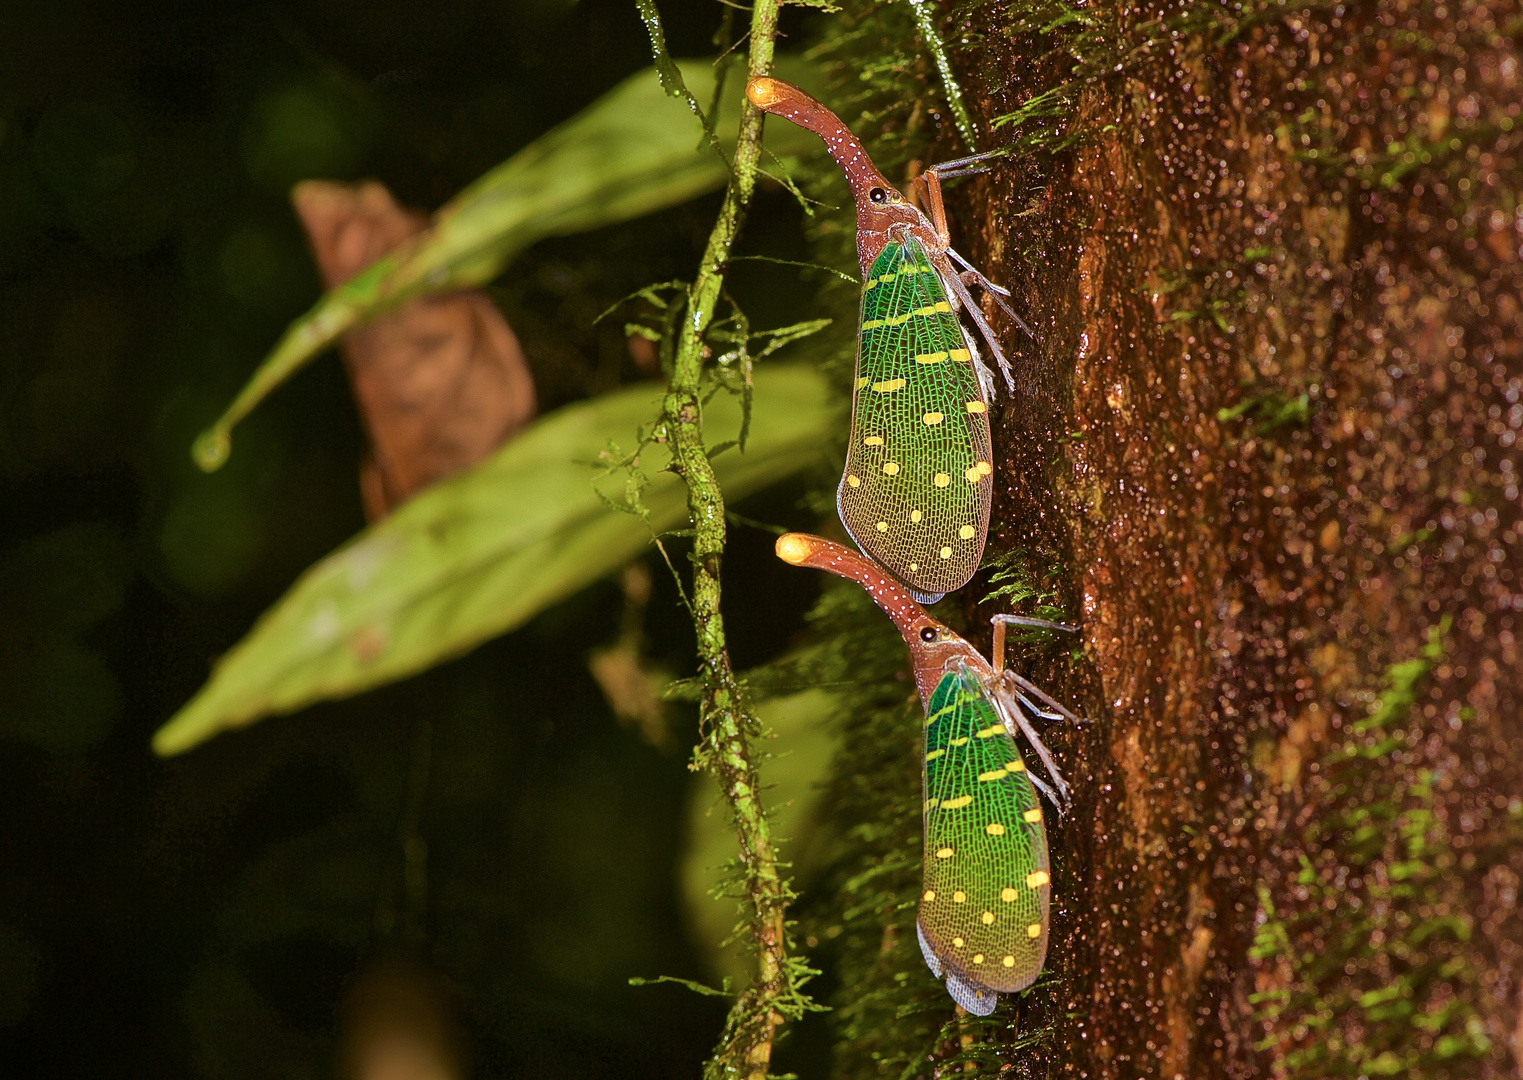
(918, 479)
(986, 878)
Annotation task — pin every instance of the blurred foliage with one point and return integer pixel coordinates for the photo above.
(489, 818)
(632, 151)
(481, 553)
(57, 692)
(1366, 975)
(795, 752)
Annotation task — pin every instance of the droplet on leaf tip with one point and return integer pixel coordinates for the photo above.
(211, 448)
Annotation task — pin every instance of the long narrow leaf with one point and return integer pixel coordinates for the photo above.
(481, 553)
(631, 152)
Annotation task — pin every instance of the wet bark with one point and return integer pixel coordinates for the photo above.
(1268, 435)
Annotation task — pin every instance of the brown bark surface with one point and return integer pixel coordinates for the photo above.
(1269, 431)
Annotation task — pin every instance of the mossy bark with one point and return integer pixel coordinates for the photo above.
(1268, 436)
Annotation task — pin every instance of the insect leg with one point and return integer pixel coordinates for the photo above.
(983, 328)
(1041, 785)
(973, 277)
(1012, 705)
(1037, 692)
(981, 369)
(1001, 621)
(938, 211)
(1000, 293)
(963, 166)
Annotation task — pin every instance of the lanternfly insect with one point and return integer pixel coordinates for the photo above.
(985, 889)
(916, 491)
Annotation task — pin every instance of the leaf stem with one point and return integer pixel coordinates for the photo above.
(745, 1048)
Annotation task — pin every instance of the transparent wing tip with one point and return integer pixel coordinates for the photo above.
(932, 961)
(978, 1000)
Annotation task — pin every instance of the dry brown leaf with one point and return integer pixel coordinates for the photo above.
(441, 382)
(397, 1022)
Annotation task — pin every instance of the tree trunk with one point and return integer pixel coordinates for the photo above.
(1269, 431)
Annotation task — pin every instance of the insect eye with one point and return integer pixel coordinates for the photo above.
(927, 633)
(878, 195)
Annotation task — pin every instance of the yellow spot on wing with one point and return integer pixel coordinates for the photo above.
(958, 943)
(873, 440)
(1034, 930)
(941, 307)
(933, 418)
(957, 803)
(978, 958)
(888, 386)
(942, 479)
(944, 853)
(930, 357)
(930, 894)
(1037, 879)
(1034, 814)
(891, 467)
(883, 526)
(984, 467)
(991, 731)
(914, 515)
(995, 829)
(966, 532)
(976, 407)
(1015, 766)
(853, 481)
(914, 566)
(988, 918)
(939, 713)
(992, 774)
(862, 381)
(1008, 895)
(959, 896)
(945, 553)
(934, 754)
(961, 354)
(960, 742)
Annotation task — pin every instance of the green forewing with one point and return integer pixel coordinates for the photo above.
(918, 475)
(983, 909)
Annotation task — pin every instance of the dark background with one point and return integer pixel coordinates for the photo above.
(204, 916)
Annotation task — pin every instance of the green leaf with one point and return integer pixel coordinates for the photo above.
(629, 153)
(483, 552)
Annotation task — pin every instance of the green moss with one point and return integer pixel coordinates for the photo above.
(1372, 977)
(1271, 410)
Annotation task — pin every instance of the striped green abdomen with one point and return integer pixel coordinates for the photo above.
(986, 892)
(918, 468)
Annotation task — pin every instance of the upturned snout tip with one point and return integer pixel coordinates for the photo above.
(764, 91)
(794, 548)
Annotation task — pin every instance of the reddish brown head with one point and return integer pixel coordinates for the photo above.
(932, 644)
(879, 203)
